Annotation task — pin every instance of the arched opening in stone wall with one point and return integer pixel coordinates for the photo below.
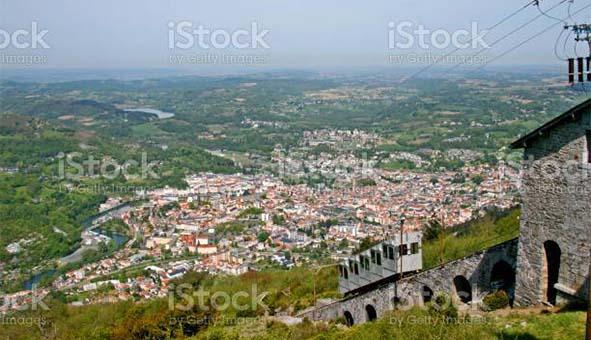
(343, 272)
(349, 319)
(371, 313)
(502, 277)
(551, 270)
(427, 294)
(463, 288)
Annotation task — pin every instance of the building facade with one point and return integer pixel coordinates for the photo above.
(555, 227)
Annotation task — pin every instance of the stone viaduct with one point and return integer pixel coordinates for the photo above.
(465, 280)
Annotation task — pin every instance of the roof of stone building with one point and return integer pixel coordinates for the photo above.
(573, 113)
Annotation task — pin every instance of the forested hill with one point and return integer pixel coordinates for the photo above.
(42, 208)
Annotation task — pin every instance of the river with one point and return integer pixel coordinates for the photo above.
(35, 279)
(118, 238)
(89, 224)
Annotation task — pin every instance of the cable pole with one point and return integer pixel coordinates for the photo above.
(442, 239)
(582, 33)
(402, 219)
(396, 297)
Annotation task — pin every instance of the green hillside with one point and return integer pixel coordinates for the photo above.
(156, 320)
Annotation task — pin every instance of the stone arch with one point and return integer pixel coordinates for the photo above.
(550, 270)
(463, 288)
(502, 276)
(349, 318)
(426, 294)
(371, 313)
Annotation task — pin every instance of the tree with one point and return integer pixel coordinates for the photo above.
(458, 178)
(287, 255)
(366, 182)
(432, 230)
(477, 179)
(252, 211)
(365, 244)
(278, 219)
(262, 236)
(343, 244)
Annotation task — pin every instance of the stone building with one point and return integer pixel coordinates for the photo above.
(555, 231)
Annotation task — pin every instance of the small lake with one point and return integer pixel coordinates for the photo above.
(160, 114)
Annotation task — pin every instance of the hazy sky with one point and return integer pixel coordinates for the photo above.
(301, 33)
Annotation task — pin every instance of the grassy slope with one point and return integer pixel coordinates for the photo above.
(415, 324)
(478, 235)
(125, 319)
(128, 321)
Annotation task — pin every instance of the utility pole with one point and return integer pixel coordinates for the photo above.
(400, 248)
(442, 239)
(402, 220)
(582, 33)
(583, 73)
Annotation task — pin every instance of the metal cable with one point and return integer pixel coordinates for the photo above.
(503, 37)
(527, 40)
(457, 49)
